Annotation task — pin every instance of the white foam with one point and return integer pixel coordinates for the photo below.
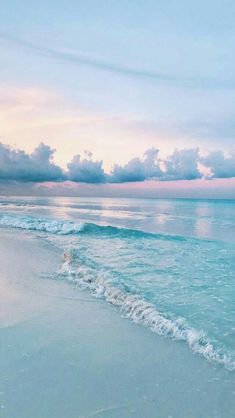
(44, 225)
(139, 310)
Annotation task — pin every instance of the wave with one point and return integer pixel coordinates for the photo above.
(77, 270)
(65, 227)
(38, 224)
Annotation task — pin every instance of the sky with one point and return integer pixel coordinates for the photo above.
(129, 97)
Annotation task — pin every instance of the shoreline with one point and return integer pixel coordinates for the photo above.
(68, 354)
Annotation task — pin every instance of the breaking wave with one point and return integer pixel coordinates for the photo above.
(99, 281)
(78, 271)
(65, 227)
(39, 224)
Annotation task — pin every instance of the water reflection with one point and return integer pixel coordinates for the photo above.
(200, 218)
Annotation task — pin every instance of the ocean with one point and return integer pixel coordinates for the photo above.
(167, 265)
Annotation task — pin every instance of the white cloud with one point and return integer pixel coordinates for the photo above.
(221, 166)
(185, 164)
(137, 169)
(86, 170)
(36, 167)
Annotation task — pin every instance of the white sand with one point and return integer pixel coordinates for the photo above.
(65, 354)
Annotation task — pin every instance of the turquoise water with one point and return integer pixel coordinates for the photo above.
(168, 265)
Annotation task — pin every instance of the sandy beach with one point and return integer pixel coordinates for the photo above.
(117, 209)
(66, 354)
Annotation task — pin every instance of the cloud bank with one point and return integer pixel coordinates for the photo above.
(185, 164)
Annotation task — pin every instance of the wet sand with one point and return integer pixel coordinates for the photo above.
(66, 354)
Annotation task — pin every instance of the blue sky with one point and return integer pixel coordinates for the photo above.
(117, 78)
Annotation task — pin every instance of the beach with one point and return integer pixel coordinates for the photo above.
(117, 209)
(67, 354)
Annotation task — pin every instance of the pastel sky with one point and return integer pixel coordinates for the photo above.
(118, 78)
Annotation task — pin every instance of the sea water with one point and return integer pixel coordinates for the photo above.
(168, 265)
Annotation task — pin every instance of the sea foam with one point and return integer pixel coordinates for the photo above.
(140, 311)
(40, 224)
(100, 283)
(66, 227)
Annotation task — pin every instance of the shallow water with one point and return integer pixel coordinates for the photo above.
(166, 264)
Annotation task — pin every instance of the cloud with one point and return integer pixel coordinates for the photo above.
(185, 164)
(84, 60)
(182, 165)
(35, 167)
(86, 170)
(99, 64)
(138, 170)
(220, 165)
